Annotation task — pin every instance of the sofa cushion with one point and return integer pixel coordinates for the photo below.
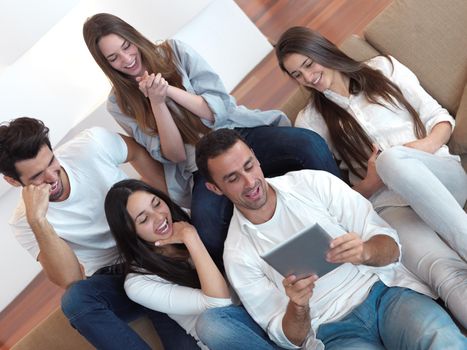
(358, 48)
(430, 37)
(295, 103)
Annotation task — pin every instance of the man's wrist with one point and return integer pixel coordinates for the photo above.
(300, 310)
(38, 222)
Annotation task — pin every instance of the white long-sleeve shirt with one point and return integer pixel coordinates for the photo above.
(182, 304)
(304, 198)
(386, 126)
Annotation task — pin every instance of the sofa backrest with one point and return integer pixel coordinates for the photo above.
(429, 37)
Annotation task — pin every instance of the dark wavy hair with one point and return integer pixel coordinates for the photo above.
(212, 145)
(21, 139)
(348, 137)
(137, 255)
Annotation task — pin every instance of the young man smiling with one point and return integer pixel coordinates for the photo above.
(60, 220)
(368, 302)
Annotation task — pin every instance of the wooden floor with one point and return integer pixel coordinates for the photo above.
(265, 87)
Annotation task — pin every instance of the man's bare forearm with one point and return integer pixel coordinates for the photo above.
(381, 250)
(56, 257)
(296, 323)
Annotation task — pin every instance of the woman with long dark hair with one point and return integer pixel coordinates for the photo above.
(391, 136)
(169, 270)
(166, 97)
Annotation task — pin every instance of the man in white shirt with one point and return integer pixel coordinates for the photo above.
(60, 220)
(370, 301)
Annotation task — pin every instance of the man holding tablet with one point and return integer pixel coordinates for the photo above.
(369, 302)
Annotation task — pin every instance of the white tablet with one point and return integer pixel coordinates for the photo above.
(303, 254)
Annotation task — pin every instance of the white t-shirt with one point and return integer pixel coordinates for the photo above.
(182, 304)
(91, 161)
(304, 198)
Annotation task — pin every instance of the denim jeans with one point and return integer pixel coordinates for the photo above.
(393, 318)
(232, 328)
(279, 150)
(99, 309)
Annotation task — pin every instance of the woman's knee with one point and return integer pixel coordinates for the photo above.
(391, 165)
(389, 158)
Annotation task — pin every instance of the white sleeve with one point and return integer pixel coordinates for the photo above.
(23, 232)
(348, 207)
(310, 118)
(160, 295)
(261, 298)
(107, 145)
(429, 110)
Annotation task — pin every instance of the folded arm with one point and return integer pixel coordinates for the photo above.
(56, 257)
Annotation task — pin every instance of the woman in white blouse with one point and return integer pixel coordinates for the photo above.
(167, 267)
(391, 136)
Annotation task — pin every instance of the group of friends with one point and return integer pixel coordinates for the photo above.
(221, 184)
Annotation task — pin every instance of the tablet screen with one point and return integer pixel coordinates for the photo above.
(303, 254)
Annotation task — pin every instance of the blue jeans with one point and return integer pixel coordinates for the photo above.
(279, 150)
(393, 318)
(99, 309)
(232, 328)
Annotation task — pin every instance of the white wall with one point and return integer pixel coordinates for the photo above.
(57, 80)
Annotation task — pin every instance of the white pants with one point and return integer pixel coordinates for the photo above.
(433, 230)
(427, 256)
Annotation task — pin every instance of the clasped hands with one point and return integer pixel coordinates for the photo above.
(153, 86)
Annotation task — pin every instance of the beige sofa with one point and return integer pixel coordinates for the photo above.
(429, 36)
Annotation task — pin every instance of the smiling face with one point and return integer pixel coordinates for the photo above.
(237, 174)
(151, 216)
(122, 55)
(44, 169)
(311, 74)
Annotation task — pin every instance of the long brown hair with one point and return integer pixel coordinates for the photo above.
(157, 59)
(349, 138)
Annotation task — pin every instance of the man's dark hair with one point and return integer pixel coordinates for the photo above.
(21, 139)
(212, 145)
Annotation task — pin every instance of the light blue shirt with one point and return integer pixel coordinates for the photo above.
(197, 78)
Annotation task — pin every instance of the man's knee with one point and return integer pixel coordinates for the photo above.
(77, 298)
(209, 326)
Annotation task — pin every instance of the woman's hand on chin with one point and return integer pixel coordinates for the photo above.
(182, 232)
